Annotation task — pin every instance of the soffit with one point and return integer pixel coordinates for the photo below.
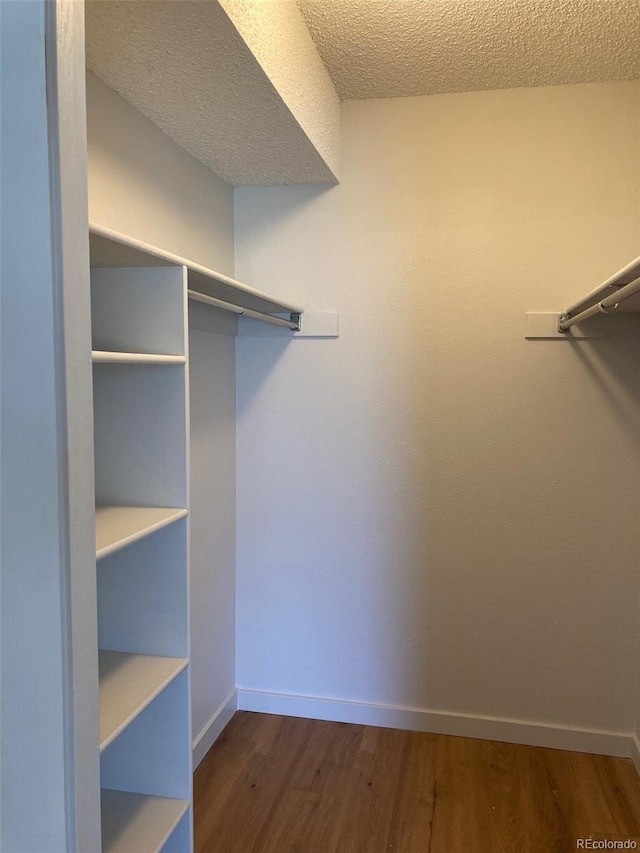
(186, 67)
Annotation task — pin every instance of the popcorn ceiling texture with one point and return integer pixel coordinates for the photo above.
(240, 85)
(277, 35)
(187, 68)
(396, 48)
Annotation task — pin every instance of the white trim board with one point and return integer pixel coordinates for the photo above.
(623, 745)
(635, 752)
(544, 325)
(212, 729)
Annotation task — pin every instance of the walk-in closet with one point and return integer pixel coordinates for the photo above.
(320, 426)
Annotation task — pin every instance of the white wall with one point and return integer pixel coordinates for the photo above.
(432, 511)
(33, 650)
(212, 371)
(49, 773)
(142, 184)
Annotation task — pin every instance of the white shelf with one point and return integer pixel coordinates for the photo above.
(139, 317)
(111, 249)
(118, 526)
(104, 357)
(137, 823)
(128, 683)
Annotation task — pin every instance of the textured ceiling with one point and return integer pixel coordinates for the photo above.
(395, 48)
(277, 35)
(186, 67)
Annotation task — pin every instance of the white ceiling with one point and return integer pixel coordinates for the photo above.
(395, 48)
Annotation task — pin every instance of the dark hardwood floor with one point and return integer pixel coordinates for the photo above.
(282, 785)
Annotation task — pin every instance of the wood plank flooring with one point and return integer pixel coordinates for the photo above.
(283, 785)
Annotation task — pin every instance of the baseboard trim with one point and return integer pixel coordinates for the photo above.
(213, 728)
(635, 751)
(462, 725)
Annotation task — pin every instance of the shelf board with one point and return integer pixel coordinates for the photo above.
(138, 823)
(111, 249)
(104, 357)
(118, 526)
(128, 683)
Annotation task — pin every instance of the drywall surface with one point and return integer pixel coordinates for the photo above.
(49, 773)
(187, 67)
(212, 513)
(143, 184)
(386, 49)
(33, 659)
(276, 34)
(434, 512)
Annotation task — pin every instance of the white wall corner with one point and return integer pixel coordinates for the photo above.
(394, 427)
(214, 727)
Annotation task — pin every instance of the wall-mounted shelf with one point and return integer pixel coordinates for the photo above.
(128, 683)
(118, 526)
(620, 292)
(111, 249)
(138, 822)
(258, 311)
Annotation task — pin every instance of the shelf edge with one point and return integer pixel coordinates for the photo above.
(170, 259)
(184, 663)
(175, 820)
(140, 534)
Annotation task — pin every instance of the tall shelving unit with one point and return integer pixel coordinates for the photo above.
(140, 391)
(139, 313)
(140, 395)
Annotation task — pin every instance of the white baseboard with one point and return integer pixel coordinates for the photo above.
(213, 727)
(416, 719)
(635, 751)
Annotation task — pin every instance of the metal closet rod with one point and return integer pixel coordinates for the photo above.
(617, 281)
(606, 306)
(293, 323)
